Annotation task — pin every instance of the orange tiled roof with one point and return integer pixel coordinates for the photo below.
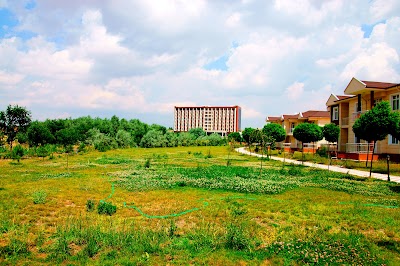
(313, 113)
(290, 116)
(379, 85)
(274, 118)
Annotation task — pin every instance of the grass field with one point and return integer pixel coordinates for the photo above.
(192, 205)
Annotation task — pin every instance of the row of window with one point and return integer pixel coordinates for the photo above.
(394, 102)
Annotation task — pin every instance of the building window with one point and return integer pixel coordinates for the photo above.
(335, 115)
(395, 101)
(376, 101)
(356, 107)
(393, 140)
(292, 126)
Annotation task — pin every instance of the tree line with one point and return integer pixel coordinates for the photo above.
(16, 126)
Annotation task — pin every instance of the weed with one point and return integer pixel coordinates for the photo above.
(237, 237)
(106, 208)
(39, 197)
(147, 163)
(90, 205)
(172, 228)
(16, 247)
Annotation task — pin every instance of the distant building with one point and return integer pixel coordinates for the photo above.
(213, 119)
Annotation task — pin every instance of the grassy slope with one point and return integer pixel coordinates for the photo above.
(316, 217)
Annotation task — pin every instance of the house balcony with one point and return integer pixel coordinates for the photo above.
(357, 115)
(357, 151)
(345, 121)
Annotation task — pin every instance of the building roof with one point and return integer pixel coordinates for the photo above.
(379, 85)
(343, 97)
(290, 116)
(313, 113)
(274, 118)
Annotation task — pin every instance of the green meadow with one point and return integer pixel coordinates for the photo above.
(191, 206)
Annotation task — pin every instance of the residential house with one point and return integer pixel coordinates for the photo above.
(361, 96)
(289, 122)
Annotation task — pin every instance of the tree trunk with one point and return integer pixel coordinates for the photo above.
(370, 169)
(302, 153)
(366, 163)
(262, 157)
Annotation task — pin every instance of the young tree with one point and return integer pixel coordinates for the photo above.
(258, 136)
(67, 137)
(375, 125)
(275, 132)
(331, 133)
(246, 133)
(306, 133)
(13, 120)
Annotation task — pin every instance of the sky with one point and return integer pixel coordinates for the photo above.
(139, 59)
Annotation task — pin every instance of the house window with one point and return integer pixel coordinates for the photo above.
(395, 101)
(376, 101)
(356, 107)
(393, 140)
(292, 126)
(335, 115)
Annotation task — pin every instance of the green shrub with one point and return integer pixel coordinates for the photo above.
(237, 238)
(90, 205)
(17, 152)
(39, 197)
(322, 151)
(147, 163)
(106, 208)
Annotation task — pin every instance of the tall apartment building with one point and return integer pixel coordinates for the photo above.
(213, 119)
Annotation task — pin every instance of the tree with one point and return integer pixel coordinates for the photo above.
(376, 124)
(39, 134)
(246, 133)
(153, 138)
(275, 132)
(258, 136)
(124, 139)
(306, 133)
(67, 137)
(235, 136)
(15, 119)
(331, 133)
(197, 132)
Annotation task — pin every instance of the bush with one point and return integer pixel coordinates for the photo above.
(147, 163)
(124, 139)
(17, 152)
(90, 205)
(106, 208)
(39, 197)
(322, 151)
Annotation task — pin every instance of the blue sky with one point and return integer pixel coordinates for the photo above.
(139, 59)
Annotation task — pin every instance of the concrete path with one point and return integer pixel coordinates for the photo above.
(331, 167)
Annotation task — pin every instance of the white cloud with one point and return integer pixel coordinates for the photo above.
(10, 78)
(375, 63)
(294, 91)
(138, 58)
(233, 20)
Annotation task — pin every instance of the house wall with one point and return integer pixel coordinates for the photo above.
(348, 109)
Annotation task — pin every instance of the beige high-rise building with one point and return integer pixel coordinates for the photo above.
(213, 119)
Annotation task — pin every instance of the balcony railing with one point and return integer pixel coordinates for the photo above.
(356, 115)
(359, 147)
(345, 121)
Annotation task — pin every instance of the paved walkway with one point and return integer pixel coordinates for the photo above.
(330, 168)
